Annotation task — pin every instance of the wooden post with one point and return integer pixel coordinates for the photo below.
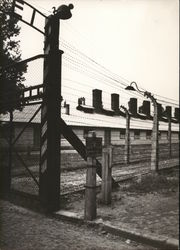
(90, 191)
(49, 176)
(106, 186)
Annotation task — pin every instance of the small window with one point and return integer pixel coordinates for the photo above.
(122, 134)
(148, 135)
(86, 131)
(166, 135)
(159, 135)
(175, 135)
(137, 134)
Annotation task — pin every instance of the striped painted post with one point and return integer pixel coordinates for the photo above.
(49, 177)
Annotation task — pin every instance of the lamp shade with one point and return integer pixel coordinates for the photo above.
(63, 12)
(130, 88)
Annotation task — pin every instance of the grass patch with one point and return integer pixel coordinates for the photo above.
(165, 182)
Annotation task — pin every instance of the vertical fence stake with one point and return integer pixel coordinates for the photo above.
(155, 139)
(106, 186)
(9, 170)
(169, 137)
(106, 175)
(90, 192)
(127, 137)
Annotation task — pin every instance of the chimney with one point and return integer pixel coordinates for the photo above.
(115, 102)
(145, 108)
(176, 113)
(168, 111)
(81, 101)
(133, 106)
(160, 110)
(97, 99)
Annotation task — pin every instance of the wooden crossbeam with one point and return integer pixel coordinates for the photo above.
(77, 144)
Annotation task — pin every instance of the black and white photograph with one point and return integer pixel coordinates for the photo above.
(89, 124)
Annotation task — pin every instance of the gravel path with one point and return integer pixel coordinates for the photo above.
(75, 179)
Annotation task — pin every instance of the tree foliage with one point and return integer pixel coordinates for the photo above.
(11, 78)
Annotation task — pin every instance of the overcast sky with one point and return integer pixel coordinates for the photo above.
(135, 39)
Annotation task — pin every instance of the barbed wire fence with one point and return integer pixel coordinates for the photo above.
(25, 156)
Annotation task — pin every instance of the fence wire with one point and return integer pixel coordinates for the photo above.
(25, 149)
(26, 153)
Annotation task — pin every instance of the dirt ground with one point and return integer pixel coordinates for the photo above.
(75, 179)
(150, 205)
(22, 229)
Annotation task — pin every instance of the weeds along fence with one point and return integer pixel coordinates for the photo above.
(20, 133)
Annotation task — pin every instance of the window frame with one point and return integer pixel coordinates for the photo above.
(148, 134)
(122, 134)
(138, 135)
(85, 132)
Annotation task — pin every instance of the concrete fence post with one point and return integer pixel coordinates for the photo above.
(169, 137)
(106, 186)
(127, 138)
(90, 191)
(155, 140)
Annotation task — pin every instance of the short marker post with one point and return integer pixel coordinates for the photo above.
(92, 145)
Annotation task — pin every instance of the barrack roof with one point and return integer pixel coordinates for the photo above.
(82, 119)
